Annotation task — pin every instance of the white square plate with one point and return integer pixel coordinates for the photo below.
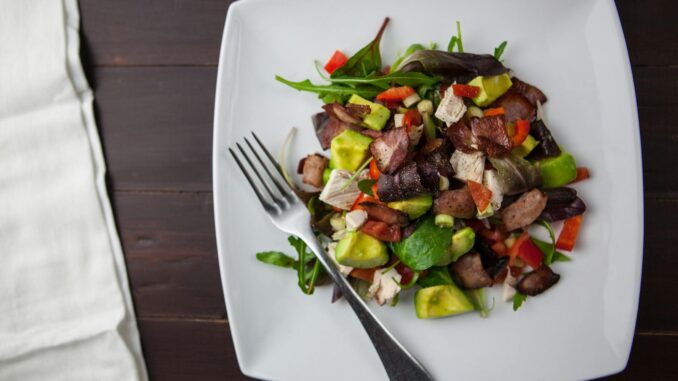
(574, 51)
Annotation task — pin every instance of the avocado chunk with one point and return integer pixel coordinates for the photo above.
(462, 242)
(360, 250)
(415, 207)
(377, 118)
(440, 301)
(349, 150)
(558, 171)
(491, 88)
(524, 149)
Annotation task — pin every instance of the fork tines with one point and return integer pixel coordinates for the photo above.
(276, 194)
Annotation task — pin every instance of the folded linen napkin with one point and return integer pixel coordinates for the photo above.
(65, 305)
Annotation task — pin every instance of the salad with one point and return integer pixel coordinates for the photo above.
(437, 167)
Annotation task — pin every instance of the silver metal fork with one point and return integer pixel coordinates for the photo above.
(290, 215)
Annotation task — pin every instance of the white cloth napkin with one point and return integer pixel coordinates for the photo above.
(65, 306)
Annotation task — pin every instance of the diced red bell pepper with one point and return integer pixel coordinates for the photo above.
(494, 111)
(530, 253)
(466, 91)
(481, 194)
(582, 174)
(395, 94)
(337, 60)
(522, 127)
(412, 118)
(568, 236)
(363, 274)
(527, 251)
(374, 170)
(382, 231)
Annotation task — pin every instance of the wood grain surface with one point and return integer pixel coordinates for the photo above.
(152, 65)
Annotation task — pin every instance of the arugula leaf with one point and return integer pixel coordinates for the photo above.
(306, 281)
(276, 258)
(331, 92)
(456, 41)
(499, 50)
(518, 300)
(551, 249)
(560, 257)
(367, 60)
(365, 186)
(437, 275)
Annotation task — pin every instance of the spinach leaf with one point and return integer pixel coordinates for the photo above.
(518, 300)
(437, 275)
(499, 50)
(331, 93)
(366, 61)
(276, 258)
(425, 246)
(365, 186)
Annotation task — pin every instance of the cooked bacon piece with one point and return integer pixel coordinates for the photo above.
(468, 269)
(357, 110)
(456, 203)
(404, 184)
(491, 134)
(537, 281)
(372, 133)
(327, 127)
(532, 93)
(390, 150)
(515, 107)
(311, 169)
(524, 210)
(385, 214)
(461, 137)
(341, 113)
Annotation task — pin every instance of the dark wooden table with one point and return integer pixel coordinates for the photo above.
(153, 64)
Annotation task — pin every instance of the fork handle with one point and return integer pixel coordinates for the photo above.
(400, 365)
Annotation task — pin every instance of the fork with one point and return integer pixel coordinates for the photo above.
(290, 215)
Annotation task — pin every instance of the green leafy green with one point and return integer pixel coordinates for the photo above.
(365, 186)
(276, 258)
(499, 50)
(456, 41)
(551, 249)
(560, 257)
(436, 276)
(383, 82)
(425, 246)
(518, 300)
(366, 61)
(411, 49)
(546, 247)
(307, 265)
(331, 93)
(477, 298)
